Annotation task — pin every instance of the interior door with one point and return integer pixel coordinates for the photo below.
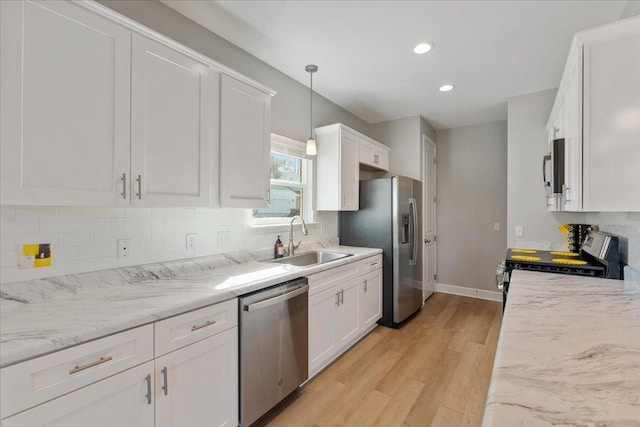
(429, 218)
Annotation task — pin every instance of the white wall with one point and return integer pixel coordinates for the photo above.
(632, 8)
(471, 197)
(404, 137)
(527, 144)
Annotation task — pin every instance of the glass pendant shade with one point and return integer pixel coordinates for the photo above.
(311, 147)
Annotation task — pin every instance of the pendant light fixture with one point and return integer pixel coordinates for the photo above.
(311, 143)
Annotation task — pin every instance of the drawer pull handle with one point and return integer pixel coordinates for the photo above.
(148, 395)
(374, 263)
(203, 325)
(165, 381)
(100, 361)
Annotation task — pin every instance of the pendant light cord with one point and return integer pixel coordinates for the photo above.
(311, 108)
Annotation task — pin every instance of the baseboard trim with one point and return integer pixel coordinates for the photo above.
(469, 292)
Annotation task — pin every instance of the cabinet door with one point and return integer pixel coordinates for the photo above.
(370, 298)
(64, 124)
(572, 133)
(245, 145)
(611, 123)
(121, 400)
(172, 126)
(349, 173)
(198, 384)
(322, 327)
(348, 311)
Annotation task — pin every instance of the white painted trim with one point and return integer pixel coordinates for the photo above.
(469, 292)
(153, 35)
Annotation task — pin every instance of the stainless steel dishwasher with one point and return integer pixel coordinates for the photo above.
(274, 349)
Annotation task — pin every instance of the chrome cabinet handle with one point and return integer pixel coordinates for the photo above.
(165, 381)
(365, 285)
(124, 186)
(78, 368)
(139, 181)
(337, 299)
(342, 297)
(376, 158)
(269, 196)
(148, 395)
(203, 325)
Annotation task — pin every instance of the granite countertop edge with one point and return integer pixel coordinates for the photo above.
(36, 328)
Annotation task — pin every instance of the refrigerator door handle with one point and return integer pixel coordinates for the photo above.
(414, 234)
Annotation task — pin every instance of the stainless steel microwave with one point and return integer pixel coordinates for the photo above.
(553, 169)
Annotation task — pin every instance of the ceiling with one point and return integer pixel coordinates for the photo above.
(490, 50)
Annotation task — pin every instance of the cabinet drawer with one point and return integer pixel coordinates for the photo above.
(370, 264)
(328, 278)
(35, 381)
(179, 331)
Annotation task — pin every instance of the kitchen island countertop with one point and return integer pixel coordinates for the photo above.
(45, 315)
(568, 354)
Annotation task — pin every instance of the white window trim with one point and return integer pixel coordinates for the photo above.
(291, 147)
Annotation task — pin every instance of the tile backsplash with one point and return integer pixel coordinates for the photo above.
(625, 225)
(85, 239)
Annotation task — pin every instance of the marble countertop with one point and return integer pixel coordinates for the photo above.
(45, 315)
(568, 354)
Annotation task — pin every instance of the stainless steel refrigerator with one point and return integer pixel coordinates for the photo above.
(389, 218)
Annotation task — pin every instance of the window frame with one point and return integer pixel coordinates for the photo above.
(290, 147)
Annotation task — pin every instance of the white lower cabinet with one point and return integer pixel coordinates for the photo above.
(121, 400)
(198, 384)
(342, 313)
(115, 381)
(371, 298)
(348, 312)
(322, 327)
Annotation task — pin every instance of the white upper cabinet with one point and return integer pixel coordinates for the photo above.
(173, 126)
(373, 154)
(245, 145)
(97, 110)
(596, 111)
(612, 117)
(341, 151)
(65, 84)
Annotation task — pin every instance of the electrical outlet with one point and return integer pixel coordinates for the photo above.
(223, 239)
(519, 231)
(124, 248)
(191, 243)
(496, 226)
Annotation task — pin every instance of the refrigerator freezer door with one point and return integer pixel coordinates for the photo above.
(404, 291)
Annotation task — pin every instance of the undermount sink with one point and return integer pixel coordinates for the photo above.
(310, 258)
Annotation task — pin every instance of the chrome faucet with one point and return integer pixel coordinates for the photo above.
(293, 247)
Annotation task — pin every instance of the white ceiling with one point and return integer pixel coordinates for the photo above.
(491, 50)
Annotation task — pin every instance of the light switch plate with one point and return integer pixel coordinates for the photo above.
(496, 226)
(519, 230)
(124, 248)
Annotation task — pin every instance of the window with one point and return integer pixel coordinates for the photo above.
(290, 177)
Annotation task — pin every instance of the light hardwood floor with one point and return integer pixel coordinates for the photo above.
(434, 371)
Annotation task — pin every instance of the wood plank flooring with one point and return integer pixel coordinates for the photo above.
(434, 371)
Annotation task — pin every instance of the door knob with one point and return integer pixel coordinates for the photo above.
(427, 241)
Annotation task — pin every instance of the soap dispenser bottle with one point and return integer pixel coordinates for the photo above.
(276, 248)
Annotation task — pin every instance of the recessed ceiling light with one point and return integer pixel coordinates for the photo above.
(423, 48)
(446, 88)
